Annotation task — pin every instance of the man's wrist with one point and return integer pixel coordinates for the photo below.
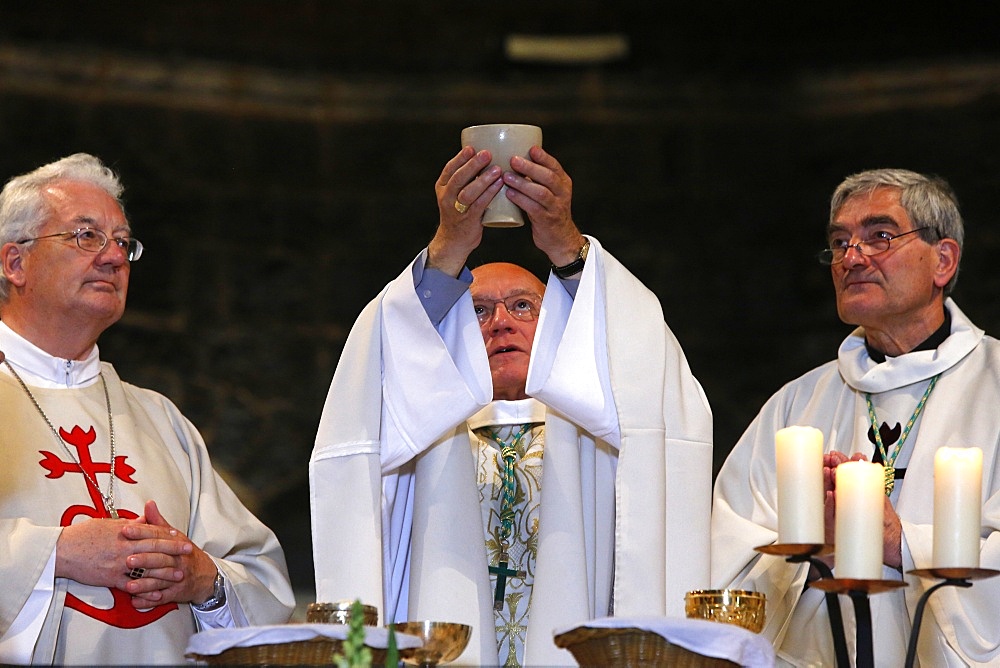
(445, 259)
(576, 266)
(217, 599)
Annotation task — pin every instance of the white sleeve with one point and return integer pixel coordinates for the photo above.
(222, 617)
(433, 378)
(228, 615)
(569, 358)
(18, 643)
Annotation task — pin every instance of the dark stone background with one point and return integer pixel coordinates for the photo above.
(279, 161)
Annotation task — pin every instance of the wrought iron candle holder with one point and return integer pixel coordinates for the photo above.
(860, 590)
(950, 577)
(797, 553)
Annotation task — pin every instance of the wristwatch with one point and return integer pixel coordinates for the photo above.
(218, 597)
(576, 266)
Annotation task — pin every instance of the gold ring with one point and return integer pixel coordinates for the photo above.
(461, 208)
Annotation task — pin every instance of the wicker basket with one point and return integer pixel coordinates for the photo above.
(316, 652)
(599, 647)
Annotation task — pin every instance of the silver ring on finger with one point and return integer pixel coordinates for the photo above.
(137, 573)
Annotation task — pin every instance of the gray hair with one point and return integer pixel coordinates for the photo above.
(928, 200)
(24, 208)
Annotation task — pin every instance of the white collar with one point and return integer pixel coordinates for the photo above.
(864, 374)
(522, 411)
(41, 369)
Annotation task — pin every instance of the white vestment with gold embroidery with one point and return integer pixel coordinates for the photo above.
(627, 464)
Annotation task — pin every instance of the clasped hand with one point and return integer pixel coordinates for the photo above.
(892, 528)
(102, 552)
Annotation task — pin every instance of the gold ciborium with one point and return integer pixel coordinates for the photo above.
(339, 613)
(731, 606)
(443, 642)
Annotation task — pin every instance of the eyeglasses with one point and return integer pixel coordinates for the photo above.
(94, 240)
(874, 246)
(522, 307)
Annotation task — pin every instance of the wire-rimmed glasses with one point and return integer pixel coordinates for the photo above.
(874, 246)
(94, 240)
(523, 307)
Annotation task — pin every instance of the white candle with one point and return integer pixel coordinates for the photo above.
(798, 453)
(958, 481)
(860, 495)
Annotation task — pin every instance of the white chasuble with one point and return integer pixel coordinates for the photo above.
(160, 456)
(625, 501)
(959, 627)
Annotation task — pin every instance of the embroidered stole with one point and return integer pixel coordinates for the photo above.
(512, 617)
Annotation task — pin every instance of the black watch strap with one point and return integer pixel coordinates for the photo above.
(576, 266)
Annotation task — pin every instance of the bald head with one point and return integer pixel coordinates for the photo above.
(488, 276)
(508, 335)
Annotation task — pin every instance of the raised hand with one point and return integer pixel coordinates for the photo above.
(543, 189)
(464, 190)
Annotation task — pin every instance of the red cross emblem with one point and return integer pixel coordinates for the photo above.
(122, 614)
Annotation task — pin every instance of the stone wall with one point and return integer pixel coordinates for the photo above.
(269, 223)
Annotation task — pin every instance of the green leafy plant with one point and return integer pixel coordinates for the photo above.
(392, 652)
(354, 653)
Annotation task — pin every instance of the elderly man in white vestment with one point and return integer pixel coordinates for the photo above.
(119, 540)
(430, 454)
(926, 373)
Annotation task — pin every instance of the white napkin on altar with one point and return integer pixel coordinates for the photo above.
(216, 641)
(714, 639)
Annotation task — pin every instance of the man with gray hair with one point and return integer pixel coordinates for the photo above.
(118, 539)
(905, 383)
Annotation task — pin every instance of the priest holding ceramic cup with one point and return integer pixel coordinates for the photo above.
(508, 454)
(907, 382)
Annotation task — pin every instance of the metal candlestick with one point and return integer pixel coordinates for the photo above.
(953, 577)
(796, 553)
(859, 590)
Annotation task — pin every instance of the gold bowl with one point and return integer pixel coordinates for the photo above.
(339, 613)
(443, 642)
(730, 606)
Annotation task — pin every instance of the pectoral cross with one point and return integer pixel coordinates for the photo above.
(503, 572)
